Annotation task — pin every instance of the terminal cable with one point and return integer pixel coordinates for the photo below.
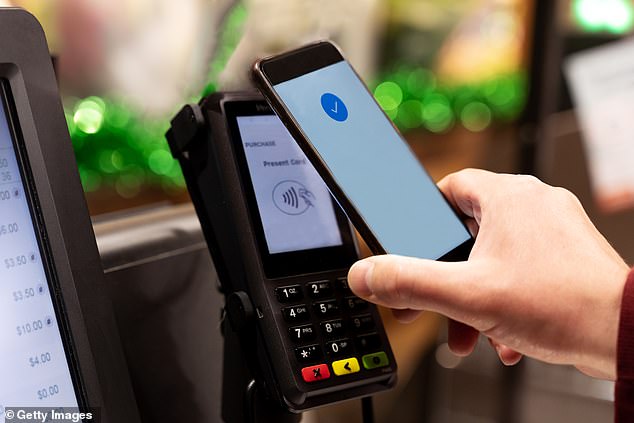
(367, 410)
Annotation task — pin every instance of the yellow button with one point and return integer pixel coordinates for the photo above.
(345, 367)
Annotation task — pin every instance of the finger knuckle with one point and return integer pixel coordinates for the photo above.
(529, 182)
(565, 196)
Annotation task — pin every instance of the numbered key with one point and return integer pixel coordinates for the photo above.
(355, 304)
(320, 289)
(333, 328)
(339, 347)
(298, 313)
(362, 323)
(302, 333)
(326, 308)
(289, 293)
(342, 285)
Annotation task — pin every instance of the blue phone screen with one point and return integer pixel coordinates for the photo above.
(371, 163)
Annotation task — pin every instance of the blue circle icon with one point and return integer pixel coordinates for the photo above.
(334, 107)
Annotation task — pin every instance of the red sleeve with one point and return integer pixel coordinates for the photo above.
(624, 390)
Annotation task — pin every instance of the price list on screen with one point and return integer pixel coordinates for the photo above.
(34, 370)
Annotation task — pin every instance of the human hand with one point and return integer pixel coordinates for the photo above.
(540, 279)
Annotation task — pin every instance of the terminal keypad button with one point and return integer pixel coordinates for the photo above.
(326, 308)
(287, 294)
(319, 289)
(309, 353)
(362, 323)
(341, 347)
(368, 342)
(333, 328)
(302, 333)
(315, 373)
(298, 313)
(355, 304)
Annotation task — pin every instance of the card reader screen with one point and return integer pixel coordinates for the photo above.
(33, 364)
(295, 206)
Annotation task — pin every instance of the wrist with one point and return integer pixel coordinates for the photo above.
(604, 325)
(625, 343)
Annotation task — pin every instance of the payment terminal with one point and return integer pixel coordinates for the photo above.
(282, 248)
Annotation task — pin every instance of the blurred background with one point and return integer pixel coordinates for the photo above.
(470, 83)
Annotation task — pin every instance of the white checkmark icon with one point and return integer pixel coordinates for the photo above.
(335, 109)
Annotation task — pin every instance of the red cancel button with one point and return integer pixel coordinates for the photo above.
(315, 373)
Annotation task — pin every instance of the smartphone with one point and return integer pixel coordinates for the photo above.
(364, 161)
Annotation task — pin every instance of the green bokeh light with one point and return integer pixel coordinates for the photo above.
(442, 105)
(409, 114)
(420, 82)
(437, 113)
(476, 116)
(616, 16)
(161, 162)
(389, 95)
(88, 116)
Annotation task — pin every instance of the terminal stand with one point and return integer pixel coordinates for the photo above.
(244, 399)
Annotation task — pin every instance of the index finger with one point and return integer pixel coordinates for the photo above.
(466, 189)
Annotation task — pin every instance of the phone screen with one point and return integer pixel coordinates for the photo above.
(371, 163)
(295, 206)
(33, 364)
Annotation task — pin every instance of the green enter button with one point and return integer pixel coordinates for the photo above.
(372, 361)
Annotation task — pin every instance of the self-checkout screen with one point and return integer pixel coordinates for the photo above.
(34, 370)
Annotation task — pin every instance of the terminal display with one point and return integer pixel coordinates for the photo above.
(295, 205)
(34, 367)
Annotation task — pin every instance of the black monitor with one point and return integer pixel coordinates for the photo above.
(60, 346)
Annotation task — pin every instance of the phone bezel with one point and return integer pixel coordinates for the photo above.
(291, 263)
(273, 70)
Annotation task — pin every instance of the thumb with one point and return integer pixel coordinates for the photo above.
(398, 282)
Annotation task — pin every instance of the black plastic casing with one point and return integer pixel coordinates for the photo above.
(211, 166)
(62, 221)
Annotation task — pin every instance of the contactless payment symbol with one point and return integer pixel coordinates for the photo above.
(292, 197)
(334, 107)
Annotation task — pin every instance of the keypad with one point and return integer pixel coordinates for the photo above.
(333, 331)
